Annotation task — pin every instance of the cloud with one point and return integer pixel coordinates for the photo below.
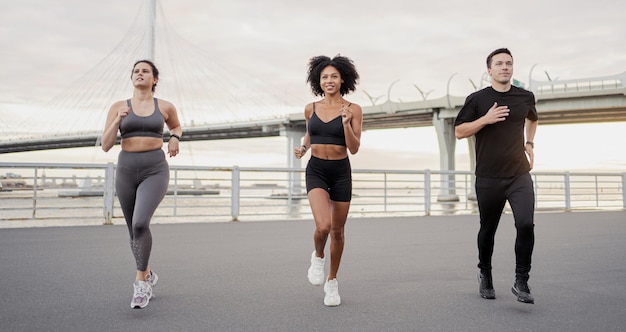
(47, 46)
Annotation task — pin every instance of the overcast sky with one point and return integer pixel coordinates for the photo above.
(46, 46)
(69, 50)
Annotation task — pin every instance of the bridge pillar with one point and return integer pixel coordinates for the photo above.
(444, 126)
(294, 139)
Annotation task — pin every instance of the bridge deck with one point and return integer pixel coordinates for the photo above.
(398, 274)
(560, 106)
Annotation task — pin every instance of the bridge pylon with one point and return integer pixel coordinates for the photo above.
(443, 121)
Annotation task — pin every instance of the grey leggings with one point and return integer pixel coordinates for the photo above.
(141, 182)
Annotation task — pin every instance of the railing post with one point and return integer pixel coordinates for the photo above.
(427, 192)
(568, 193)
(235, 193)
(624, 191)
(175, 192)
(109, 175)
(597, 191)
(295, 189)
(34, 215)
(385, 192)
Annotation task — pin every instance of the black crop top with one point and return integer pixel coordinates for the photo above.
(330, 132)
(148, 126)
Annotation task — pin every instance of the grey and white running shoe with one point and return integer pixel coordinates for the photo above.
(152, 279)
(141, 295)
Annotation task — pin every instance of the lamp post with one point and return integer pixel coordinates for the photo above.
(389, 94)
(372, 99)
(424, 94)
(448, 90)
(484, 78)
(530, 77)
(473, 85)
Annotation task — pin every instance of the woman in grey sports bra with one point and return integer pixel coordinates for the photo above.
(142, 172)
(333, 128)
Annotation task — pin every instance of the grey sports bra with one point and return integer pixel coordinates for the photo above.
(148, 126)
(330, 132)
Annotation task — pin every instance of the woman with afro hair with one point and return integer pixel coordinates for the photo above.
(334, 127)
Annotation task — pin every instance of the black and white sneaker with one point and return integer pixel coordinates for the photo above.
(522, 291)
(485, 285)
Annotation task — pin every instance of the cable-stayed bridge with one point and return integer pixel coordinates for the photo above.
(601, 99)
(205, 90)
(217, 102)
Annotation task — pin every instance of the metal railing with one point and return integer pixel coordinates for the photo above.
(86, 191)
(578, 85)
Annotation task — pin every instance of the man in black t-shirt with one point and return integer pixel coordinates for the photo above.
(499, 117)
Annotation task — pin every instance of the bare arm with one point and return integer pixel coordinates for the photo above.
(173, 125)
(352, 118)
(116, 113)
(495, 114)
(531, 129)
(300, 151)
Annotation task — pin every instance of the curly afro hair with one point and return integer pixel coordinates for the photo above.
(344, 65)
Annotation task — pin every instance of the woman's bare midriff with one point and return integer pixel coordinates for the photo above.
(141, 144)
(329, 151)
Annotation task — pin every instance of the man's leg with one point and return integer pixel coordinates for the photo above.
(491, 200)
(521, 197)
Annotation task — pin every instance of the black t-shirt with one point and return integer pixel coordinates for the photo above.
(500, 146)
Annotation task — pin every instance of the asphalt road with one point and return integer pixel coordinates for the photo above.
(397, 274)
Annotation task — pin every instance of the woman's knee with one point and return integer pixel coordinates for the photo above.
(140, 228)
(337, 233)
(323, 229)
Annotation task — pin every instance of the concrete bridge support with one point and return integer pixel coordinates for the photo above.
(294, 136)
(444, 126)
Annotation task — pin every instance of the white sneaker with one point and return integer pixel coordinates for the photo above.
(316, 271)
(152, 279)
(142, 294)
(332, 298)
